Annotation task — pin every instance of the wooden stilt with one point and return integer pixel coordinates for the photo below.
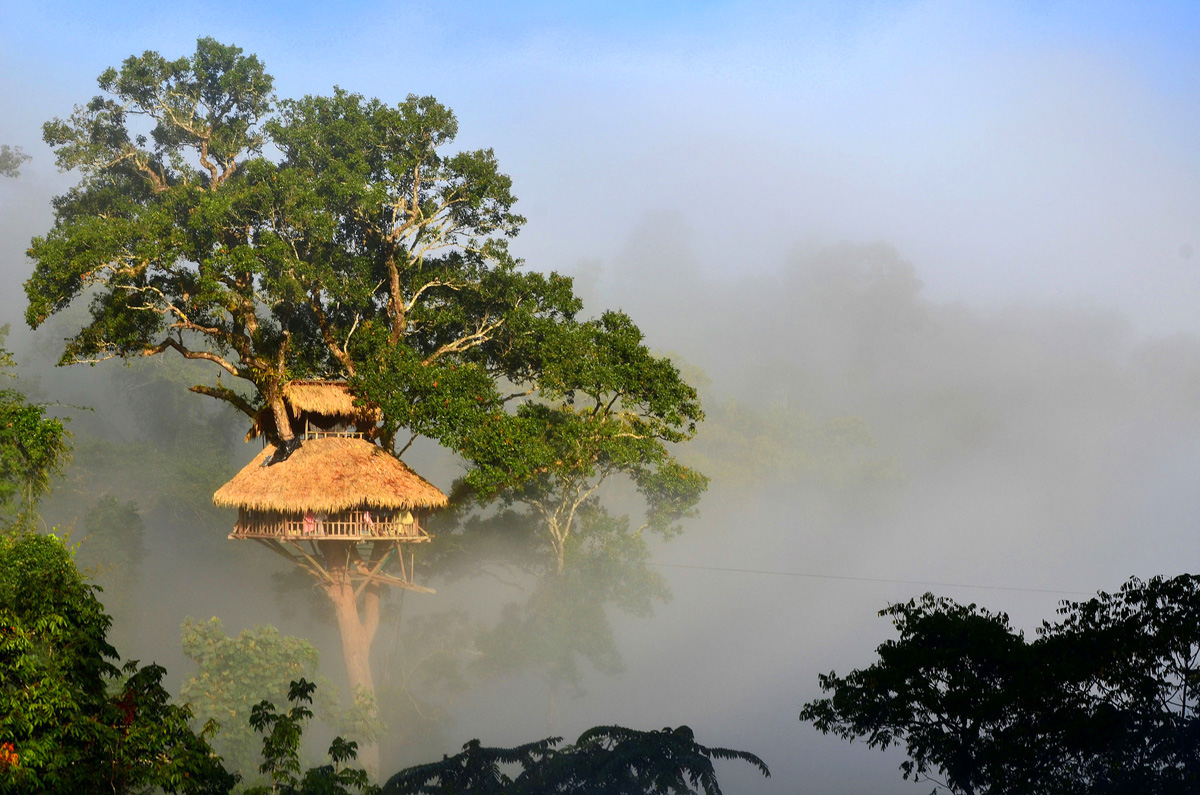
(312, 561)
(371, 574)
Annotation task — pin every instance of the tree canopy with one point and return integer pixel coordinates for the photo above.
(234, 674)
(72, 721)
(335, 236)
(1102, 701)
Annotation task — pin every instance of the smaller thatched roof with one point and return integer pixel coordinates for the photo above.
(332, 474)
(331, 398)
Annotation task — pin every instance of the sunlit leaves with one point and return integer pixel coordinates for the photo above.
(78, 723)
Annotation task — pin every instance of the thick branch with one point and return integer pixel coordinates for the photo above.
(516, 395)
(339, 353)
(187, 353)
(395, 300)
(226, 394)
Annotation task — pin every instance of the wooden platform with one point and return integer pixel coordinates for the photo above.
(345, 526)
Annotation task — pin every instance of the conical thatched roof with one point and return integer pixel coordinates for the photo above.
(332, 474)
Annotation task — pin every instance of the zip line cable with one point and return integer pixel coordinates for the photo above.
(872, 579)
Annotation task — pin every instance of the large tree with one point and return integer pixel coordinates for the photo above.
(336, 237)
(1105, 700)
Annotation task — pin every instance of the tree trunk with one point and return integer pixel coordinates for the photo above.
(283, 423)
(357, 633)
(356, 641)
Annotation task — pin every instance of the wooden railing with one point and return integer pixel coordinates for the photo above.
(318, 434)
(357, 525)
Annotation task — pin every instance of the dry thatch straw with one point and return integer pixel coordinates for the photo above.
(330, 398)
(332, 474)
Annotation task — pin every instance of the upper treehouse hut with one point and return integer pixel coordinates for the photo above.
(334, 498)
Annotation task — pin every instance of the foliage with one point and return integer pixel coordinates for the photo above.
(72, 720)
(193, 241)
(597, 404)
(474, 771)
(564, 620)
(363, 251)
(11, 158)
(234, 674)
(613, 760)
(33, 447)
(281, 755)
(337, 237)
(1102, 701)
(621, 761)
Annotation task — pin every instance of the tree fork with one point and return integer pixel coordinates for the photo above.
(283, 423)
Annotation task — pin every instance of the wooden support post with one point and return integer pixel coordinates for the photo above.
(312, 561)
(278, 549)
(371, 574)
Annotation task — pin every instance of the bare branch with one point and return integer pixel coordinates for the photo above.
(187, 353)
(481, 335)
(408, 307)
(411, 439)
(515, 395)
(226, 394)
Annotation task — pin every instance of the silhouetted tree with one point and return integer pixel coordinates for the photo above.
(1103, 701)
(281, 752)
(605, 760)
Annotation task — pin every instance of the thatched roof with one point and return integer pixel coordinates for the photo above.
(332, 474)
(331, 398)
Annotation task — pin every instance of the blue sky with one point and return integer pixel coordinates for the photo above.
(1039, 151)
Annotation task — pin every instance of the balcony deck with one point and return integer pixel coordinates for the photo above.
(345, 526)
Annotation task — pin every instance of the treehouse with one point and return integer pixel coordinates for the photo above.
(333, 499)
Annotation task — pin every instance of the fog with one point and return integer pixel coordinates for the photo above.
(933, 264)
